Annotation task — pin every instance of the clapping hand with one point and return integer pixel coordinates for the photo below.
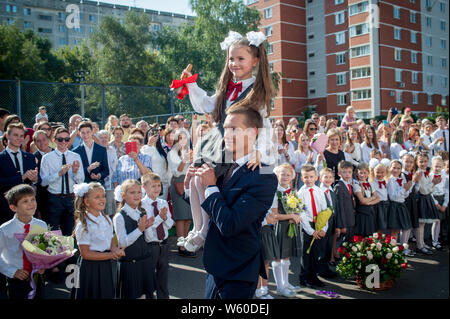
(187, 179)
(207, 175)
(96, 176)
(64, 169)
(163, 213)
(93, 166)
(75, 167)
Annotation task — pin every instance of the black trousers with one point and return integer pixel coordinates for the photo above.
(19, 289)
(218, 288)
(160, 267)
(310, 262)
(60, 213)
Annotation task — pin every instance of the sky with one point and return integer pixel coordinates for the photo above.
(174, 6)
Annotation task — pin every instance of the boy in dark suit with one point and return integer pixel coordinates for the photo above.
(237, 203)
(93, 155)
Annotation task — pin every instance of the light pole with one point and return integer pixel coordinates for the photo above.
(80, 76)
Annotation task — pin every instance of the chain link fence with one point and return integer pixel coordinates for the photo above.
(95, 101)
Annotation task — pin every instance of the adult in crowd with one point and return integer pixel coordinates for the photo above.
(93, 155)
(117, 143)
(179, 158)
(132, 165)
(126, 125)
(370, 143)
(349, 119)
(111, 123)
(333, 155)
(3, 115)
(75, 138)
(47, 128)
(143, 126)
(441, 134)
(310, 128)
(281, 144)
(103, 137)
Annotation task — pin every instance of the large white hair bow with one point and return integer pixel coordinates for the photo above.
(80, 189)
(254, 38)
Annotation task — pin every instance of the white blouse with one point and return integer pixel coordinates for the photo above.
(396, 192)
(98, 235)
(174, 161)
(355, 156)
(365, 152)
(381, 189)
(159, 164)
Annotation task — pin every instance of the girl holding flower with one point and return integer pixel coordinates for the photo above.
(288, 246)
(94, 234)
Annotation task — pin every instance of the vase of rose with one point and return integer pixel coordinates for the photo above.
(376, 261)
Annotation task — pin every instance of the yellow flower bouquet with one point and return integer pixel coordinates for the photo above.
(292, 204)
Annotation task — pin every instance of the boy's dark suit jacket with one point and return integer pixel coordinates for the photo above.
(98, 155)
(233, 247)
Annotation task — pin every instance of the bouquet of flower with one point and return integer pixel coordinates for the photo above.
(380, 252)
(320, 221)
(292, 204)
(45, 249)
(319, 142)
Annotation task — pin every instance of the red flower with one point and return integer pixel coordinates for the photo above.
(380, 235)
(404, 265)
(388, 239)
(341, 250)
(369, 240)
(400, 248)
(363, 258)
(384, 261)
(357, 239)
(347, 255)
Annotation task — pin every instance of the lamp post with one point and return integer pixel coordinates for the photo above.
(80, 76)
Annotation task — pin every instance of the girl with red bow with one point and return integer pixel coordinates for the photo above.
(441, 198)
(398, 190)
(237, 86)
(366, 199)
(379, 184)
(428, 212)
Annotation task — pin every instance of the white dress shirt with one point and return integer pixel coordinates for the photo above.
(89, 152)
(51, 165)
(442, 189)
(11, 253)
(396, 192)
(395, 150)
(382, 191)
(174, 160)
(425, 185)
(123, 238)
(365, 152)
(98, 235)
(112, 165)
(159, 163)
(321, 204)
(19, 157)
(327, 194)
(441, 133)
(150, 233)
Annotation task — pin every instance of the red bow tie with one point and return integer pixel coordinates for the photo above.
(366, 185)
(426, 173)
(287, 191)
(236, 87)
(437, 176)
(381, 183)
(400, 181)
(410, 176)
(403, 146)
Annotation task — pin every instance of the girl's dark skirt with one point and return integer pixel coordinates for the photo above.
(269, 242)
(287, 246)
(96, 279)
(428, 212)
(366, 220)
(412, 206)
(399, 216)
(136, 279)
(382, 209)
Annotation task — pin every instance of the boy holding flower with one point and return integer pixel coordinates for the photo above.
(13, 262)
(314, 200)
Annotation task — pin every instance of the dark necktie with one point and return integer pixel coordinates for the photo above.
(65, 178)
(160, 228)
(229, 173)
(445, 141)
(16, 162)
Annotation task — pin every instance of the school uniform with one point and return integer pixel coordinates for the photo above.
(314, 200)
(135, 278)
(411, 201)
(96, 277)
(12, 258)
(399, 217)
(345, 215)
(269, 240)
(365, 215)
(428, 212)
(382, 208)
(325, 256)
(441, 197)
(156, 237)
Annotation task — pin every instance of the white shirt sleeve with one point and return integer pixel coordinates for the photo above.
(5, 268)
(201, 102)
(81, 235)
(122, 237)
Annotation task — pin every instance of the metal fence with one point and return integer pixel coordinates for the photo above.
(95, 101)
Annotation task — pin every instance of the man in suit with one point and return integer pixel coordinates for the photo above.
(93, 155)
(16, 167)
(237, 203)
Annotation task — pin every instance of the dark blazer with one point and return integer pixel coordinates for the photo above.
(345, 215)
(233, 247)
(9, 177)
(98, 155)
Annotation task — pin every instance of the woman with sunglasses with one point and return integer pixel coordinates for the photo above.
(310, 129)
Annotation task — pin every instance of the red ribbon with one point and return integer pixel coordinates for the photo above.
(26, 263)
(287, 191)
(236, 87)
(426, 173)
(381, 183)
(400, 181)
(403, 146)
(366, 185)
(182, 83)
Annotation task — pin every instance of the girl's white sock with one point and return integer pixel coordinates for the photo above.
(277, 274)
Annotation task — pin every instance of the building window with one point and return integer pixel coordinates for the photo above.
(398, 97)
(359, 29)
(428, 21)
(62, 41)
(269, 48)
(312, 91)
(62, 28)
(443, 44)
(44, 17)
(361, 95)
(414, 77)
(311, 55)
(271, 66)
(340, 38)
(91, 29)
(27, 24)
(428, 3)
(444, 82)
(9, 21)
(429, 79)
(10, 8)
(27, 11)
(443, 25)
(342, 99)
(45, 30)
(429, 99)
(268, 13)
(339, 17)
(396, 12)
(341, 78)
(251, 1)
(414, 57)
(412, 17)
(310, 36)
(340, 58)
(269, 31)
(358, 8)
(336, 2)
(413, 37)
(443, 63)
(92, 18)
(61, 16)
(359, 73)
(398, 54)
(429, 41)
(397, 33)
(312, 73)
(310, 18)
(415, 97)
(442, 7)
(430, 60)
(360, 51)
(398, 75)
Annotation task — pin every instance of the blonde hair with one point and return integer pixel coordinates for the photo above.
(126, 185)
(372, 172)
(262, 91)
(81, 209)
(278, 169)
(150, 177)
(326, 170)
(300, 147)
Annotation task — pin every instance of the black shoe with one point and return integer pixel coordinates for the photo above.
(185, 253)
(307, 283)
(318, 283)
(328, 274)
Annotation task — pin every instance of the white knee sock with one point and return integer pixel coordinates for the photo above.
(278, 274)
(419, 236)
(285, 268)
(435, 230)
(196, 209)
(405, 236)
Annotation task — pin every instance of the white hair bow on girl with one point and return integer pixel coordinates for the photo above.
(254, 38)
(80, 189)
